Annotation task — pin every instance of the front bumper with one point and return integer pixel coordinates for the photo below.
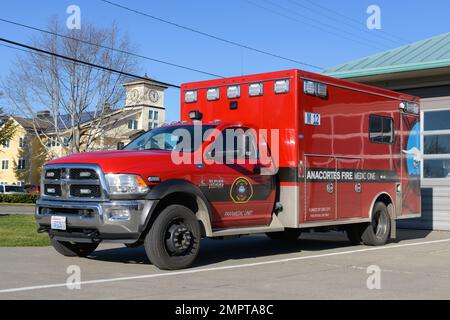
(94, 221)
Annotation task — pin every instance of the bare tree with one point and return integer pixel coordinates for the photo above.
(7, 127)
(72, 92)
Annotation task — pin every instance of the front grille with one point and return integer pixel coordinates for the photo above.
(83, 174)
(85, 191)
(67, 182)
(53, 174)
(53, 190)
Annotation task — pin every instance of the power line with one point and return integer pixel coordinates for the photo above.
(315, 26)
(109, 48)
(210, 35)
(332, 27)
(21, 45)
(355, 26)
(353, 20)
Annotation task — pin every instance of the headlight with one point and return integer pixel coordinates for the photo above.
(126, 184)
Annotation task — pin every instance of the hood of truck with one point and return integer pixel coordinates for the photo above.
(132, 162)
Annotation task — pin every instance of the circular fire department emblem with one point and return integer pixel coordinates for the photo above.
(241, 191)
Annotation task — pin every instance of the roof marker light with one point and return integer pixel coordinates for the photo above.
(190, 96)
(256, 89)
(234, 92)
(282, 86)
(213, 94)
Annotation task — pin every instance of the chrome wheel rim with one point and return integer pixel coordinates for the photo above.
(380, 224)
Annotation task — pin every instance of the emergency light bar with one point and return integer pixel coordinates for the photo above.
(317, 89)
(256, 89)
(234, 92)
(281, 86)
(190, 96)
(309, 87)
(213, 94)
(321, 90)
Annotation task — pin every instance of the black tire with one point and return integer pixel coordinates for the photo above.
(173, 241)
(73, 249)
(354, 233)
(377, 232)
(288, 235)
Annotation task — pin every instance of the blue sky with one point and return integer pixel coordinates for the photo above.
(297, 29)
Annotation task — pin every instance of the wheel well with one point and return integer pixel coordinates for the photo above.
(179, 198)
(385, 199)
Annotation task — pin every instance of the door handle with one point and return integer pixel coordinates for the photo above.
(358, 187)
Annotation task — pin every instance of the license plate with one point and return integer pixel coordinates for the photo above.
(59, 223)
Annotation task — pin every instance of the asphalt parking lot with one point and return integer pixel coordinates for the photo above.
(320, 266)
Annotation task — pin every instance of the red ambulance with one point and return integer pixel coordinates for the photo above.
(276, 153)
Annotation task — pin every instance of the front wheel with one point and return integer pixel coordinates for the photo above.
(377, 232)
(173, 241)
(73, 249)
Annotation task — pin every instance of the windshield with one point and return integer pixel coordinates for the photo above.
(14, 189)
(170, 138)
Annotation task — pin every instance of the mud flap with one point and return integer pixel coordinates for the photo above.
(391, 211)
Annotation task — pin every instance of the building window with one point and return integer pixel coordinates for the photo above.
(153, 119)
(22, 142)
(133, 124)
(5, 164)
(53, 142)
(381, 129)
(21, 164)
(436, 144)
(6, 144)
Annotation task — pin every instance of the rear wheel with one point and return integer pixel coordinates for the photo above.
(173, 241)
(354, 233)
(377, 232)
(289, 235)
(73, 249)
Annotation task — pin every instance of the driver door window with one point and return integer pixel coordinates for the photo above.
(236, 145)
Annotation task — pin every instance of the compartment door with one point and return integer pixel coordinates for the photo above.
(320, 188)
(349, 188)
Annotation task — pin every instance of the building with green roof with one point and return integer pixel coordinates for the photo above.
(422, 69)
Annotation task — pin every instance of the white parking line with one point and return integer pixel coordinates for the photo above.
(248, 265)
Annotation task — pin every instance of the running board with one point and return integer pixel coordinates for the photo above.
(275, 226)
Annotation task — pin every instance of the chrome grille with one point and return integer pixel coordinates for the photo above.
(85, 191)
(53, 190)
(73, 182)
(53, 174)
(83, 174)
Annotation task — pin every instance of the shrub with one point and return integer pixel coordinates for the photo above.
(19, 198)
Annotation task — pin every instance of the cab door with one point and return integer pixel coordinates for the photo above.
(239, 195)
(320, 190)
